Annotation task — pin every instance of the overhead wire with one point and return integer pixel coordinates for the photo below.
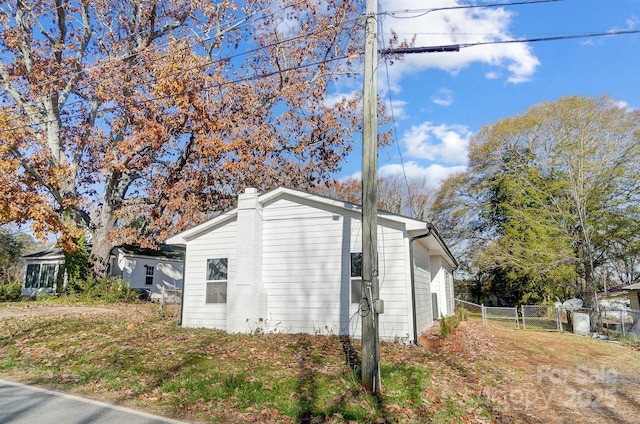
(181, 93)
(457, 47)
(201, 66)
(395, 130)
(232, 24)
(422, 12)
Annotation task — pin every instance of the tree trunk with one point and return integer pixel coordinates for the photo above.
(101, 245)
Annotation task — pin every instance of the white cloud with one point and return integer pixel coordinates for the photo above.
(433, 174)
(459, 26)
(398, 108)
(443, 143)
(336, 98)
(444, 97)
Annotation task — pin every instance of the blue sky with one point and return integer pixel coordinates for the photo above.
(440, 100)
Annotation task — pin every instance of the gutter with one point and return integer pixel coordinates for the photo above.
(413, 281)
(184, 269)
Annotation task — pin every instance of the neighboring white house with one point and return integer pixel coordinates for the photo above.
(291, 260)
(44, 271)
(150, 271)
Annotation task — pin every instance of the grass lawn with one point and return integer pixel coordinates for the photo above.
(137, 356)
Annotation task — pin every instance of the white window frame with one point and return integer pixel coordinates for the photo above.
(148, 277)
(355, 278)
(216, 282)
(39, 283)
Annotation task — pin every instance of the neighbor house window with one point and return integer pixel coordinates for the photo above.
(217, 280)
(356, 277)
(41, 276)
(149, 277)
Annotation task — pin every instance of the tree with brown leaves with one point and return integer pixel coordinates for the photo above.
(127, 121)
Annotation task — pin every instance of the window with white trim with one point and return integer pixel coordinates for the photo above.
(41, 276)
(216, 280)
(356, 277)
(149, 276)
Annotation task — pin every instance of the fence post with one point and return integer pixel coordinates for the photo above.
(484, 316)
(622, 324)
(559, 317)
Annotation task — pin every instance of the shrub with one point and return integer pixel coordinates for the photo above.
(462, 313)
(448, 326)
(105, 290)
(10, 291)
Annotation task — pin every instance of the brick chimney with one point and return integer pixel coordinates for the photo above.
(246, 296)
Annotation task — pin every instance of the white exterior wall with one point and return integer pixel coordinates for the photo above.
(422, 281)
(219, 242)
(306, 271)
(393, 280)
(246, 296)
(33, 291)
(167, 273)
(289, 268)
(442, 284)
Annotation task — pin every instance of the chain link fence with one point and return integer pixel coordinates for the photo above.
(473, 308)
(500, 316)
(541, 317)
(615, 323)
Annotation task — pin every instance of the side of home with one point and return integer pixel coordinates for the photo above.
(150, 271)
(290, 261)
(44, 272)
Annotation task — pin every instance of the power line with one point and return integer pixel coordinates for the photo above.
(395, 135)
(422, 12)
(235, 23)
(457, 47)
(201, 66)
(181, 93)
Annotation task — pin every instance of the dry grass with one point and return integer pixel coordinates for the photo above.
(136, 356)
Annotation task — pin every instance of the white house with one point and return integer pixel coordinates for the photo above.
(291, 260)
(44, 271)
(150, 271)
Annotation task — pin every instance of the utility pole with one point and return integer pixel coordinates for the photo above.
(370, 303)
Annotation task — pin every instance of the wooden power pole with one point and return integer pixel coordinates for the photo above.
(371, 305)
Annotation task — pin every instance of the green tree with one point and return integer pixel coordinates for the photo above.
(549, 193)
(13, 244)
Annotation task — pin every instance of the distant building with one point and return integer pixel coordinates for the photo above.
(146, 270)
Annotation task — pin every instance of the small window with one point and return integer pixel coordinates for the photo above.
(48, 275)
(217, 280)
(149, 277)
(33, 274)
(356, 277)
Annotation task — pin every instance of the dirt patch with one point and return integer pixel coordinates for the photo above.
(547, 377)
(11, 311)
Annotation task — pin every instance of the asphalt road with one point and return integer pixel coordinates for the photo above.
(22, 404)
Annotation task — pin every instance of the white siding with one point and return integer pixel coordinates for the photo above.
(218, 243)
(303, 270)
(422, 281)
(167, 273)
(289, 266)
(307, 277)
(442, 284)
